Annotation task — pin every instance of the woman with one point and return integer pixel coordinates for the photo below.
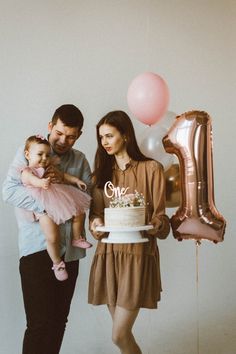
(126, 277)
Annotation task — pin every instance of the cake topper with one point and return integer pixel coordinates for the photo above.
(119, 198)
(116, 192)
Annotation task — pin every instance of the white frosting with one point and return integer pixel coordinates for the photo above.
(129, 216)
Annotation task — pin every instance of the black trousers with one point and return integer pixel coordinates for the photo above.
(47, 303)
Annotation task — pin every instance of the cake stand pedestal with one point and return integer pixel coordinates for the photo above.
(124, 234)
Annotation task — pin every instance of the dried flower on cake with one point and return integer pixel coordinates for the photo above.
(129, 200)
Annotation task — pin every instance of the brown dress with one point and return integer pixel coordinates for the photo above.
(128, 275)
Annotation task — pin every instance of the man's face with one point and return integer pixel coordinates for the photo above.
(62, 137)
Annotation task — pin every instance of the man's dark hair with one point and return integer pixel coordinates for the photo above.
(70, 116)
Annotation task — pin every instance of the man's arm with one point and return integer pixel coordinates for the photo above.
(13, 191)
(80, 173)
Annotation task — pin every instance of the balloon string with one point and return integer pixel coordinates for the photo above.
(147, 35)
(197, 290)
(149, 333)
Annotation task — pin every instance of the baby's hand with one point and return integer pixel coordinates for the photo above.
(45, 182)
(81, 185)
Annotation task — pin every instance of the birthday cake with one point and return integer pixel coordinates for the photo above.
(125, 210)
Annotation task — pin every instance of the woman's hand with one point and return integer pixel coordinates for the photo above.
(156, 223)
(93, 226)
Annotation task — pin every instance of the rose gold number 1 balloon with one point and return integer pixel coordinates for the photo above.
(190, 138)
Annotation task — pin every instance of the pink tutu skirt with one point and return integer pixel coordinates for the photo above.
(60, 201)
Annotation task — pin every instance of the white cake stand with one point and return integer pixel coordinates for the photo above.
(124, 234)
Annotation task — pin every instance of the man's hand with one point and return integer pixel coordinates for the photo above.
(56, 176)
(92, 228)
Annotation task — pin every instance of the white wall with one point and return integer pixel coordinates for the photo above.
(87, 53)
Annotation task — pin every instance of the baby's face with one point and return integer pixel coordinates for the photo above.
(38, 155)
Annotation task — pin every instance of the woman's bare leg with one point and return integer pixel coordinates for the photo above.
(122, 336)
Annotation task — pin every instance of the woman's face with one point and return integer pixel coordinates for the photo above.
(112, 140)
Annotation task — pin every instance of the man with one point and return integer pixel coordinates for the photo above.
(47, 300)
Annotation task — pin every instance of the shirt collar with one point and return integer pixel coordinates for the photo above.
(131, 163)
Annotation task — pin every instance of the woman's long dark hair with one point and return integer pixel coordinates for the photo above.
(103, 162)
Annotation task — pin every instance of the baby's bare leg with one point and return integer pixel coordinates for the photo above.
(78, 225)
(51, 232)
(78, 240)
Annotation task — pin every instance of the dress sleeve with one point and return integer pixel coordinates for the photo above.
(158, 197)
(97, 204)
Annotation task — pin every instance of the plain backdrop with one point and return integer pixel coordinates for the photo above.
(87, 53)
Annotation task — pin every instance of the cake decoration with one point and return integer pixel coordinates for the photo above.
(124, 209)
(115, 192)
(119, 198)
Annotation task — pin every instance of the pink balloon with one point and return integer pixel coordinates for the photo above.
(148, 97)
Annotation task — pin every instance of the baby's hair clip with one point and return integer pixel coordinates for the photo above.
(39, 136)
